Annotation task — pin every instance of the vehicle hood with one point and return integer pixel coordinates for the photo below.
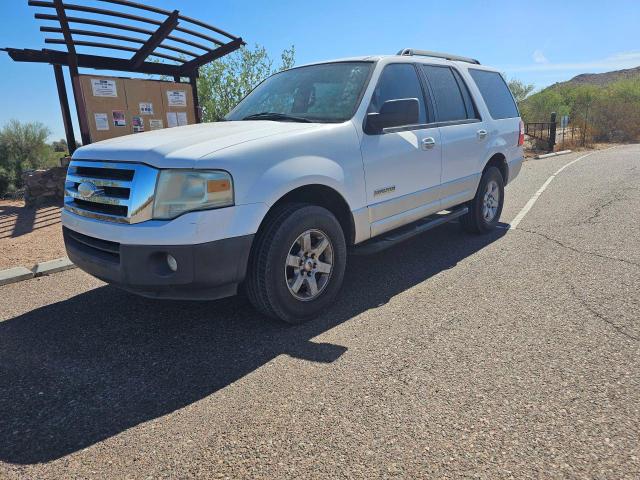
(181, 147)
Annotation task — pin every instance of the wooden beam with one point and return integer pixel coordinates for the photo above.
(66, 33)
(155, 40)
(193, 80)
(191, 66)
(64, 106)
(56, 57)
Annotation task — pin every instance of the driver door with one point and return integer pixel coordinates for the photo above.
(403, 164)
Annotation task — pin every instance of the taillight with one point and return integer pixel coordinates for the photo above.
(521, 135)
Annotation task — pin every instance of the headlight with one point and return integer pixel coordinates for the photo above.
(181, 191)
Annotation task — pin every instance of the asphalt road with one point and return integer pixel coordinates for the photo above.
(511, 355)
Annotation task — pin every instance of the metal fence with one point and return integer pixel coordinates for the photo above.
(547, 135)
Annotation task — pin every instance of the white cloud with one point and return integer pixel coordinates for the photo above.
(539, 57)
(616, 61)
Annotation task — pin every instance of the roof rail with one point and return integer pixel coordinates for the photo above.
(428, 53)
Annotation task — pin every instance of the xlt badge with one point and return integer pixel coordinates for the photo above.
(384, 190)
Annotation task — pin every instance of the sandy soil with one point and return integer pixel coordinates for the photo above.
(29, 235)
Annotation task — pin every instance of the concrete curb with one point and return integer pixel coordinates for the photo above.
(18, 274)
(554, 154)
(53, 266)
(13, 275)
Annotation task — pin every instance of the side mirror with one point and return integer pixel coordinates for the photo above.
(394, 113)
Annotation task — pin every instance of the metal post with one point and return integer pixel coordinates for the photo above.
(552, 131)
(584, 130)
(193, 79)
(64, 106)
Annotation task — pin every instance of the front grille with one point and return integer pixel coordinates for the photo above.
(108, 173)
(110, 191)
(115, 210)
(104, 249)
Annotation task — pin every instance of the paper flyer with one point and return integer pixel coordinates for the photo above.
(172, 119)
(119, 118)
(177, 98)
(138, 124)
(146, 108)
(104, 88)
(155, 124)
(102, 121)
(182, 118)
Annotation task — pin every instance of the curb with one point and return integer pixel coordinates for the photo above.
(554, 154)
(53, 266)
(18, 274)
(13, 275)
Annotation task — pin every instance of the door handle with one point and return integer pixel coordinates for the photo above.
(482, 133)
(428, 143)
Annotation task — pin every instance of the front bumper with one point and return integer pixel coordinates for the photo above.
(206, 271)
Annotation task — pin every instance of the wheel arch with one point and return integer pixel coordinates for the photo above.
(323, 196)
(499, 161)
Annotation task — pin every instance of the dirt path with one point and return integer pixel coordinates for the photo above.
(29, 235)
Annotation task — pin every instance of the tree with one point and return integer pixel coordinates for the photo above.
(223, 83)
(520, 89)
(22, 146)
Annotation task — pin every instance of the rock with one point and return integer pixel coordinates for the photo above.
(44, 186)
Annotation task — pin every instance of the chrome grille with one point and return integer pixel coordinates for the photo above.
(110, 191)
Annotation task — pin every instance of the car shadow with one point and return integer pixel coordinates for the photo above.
(79, 371)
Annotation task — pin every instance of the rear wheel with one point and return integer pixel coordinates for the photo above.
(486, 207)
(297, 265)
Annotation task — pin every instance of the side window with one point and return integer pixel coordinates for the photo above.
(446, 92)
(397, 81)
(466, 96)
(496, 94)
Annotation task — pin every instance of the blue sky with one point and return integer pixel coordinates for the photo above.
(540, 42)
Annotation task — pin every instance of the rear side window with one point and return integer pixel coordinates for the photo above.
(496, 94)
(398, 81)
(447, 94)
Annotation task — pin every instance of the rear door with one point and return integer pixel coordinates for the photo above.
(462, 132)
(403, 164)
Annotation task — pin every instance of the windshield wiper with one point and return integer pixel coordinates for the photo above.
(275, 116)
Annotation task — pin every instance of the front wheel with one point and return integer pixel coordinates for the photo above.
(297, 266)
(486, 207)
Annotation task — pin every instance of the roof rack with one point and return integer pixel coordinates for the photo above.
(428, 53)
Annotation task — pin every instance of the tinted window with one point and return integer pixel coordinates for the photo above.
(446, 93)
(397, 81)
(466, 96)
(327, 92)
(496, 94)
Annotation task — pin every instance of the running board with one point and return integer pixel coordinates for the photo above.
(394, 237)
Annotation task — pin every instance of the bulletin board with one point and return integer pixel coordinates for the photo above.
(123, 106)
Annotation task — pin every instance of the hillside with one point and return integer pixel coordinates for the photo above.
(602, 79)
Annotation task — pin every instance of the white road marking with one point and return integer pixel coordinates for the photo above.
(534, 199)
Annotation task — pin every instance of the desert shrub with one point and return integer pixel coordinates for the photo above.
(609, 113)
(23, 146)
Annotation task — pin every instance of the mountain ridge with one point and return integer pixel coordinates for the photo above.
(602, 79)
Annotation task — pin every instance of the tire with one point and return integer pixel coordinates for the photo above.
(479, 220)
(272, 278)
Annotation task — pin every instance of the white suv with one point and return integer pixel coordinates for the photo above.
(358, 154)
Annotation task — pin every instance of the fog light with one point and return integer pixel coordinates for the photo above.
(172, 263)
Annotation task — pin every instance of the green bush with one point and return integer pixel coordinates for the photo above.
(610, 112)
(6, 182)
(23, 146)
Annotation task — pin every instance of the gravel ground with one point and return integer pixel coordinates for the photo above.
(511, 355)
(29, 235)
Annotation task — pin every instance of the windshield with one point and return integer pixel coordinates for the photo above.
(328, 92)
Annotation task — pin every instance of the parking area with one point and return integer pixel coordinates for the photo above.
(509, 355)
